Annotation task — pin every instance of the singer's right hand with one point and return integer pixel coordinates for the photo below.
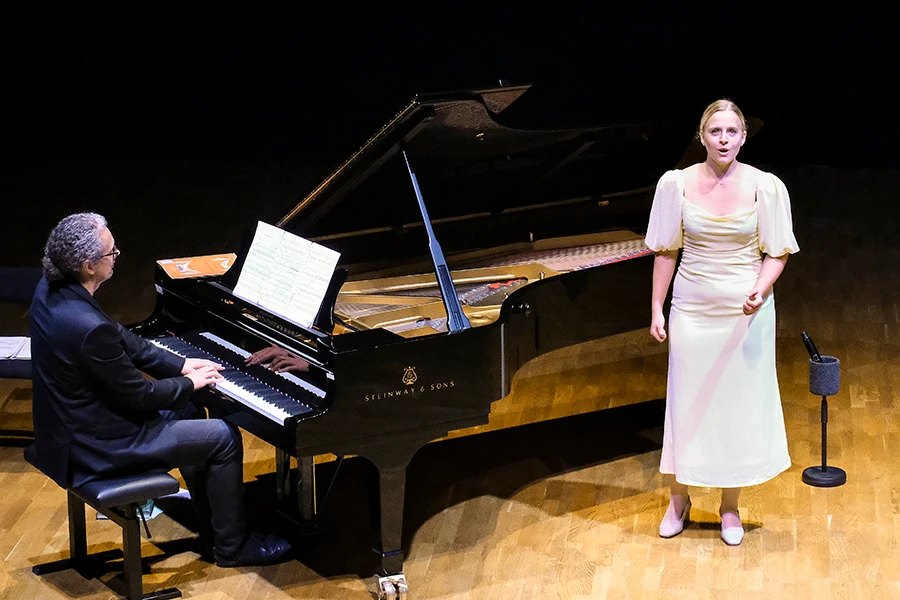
(658, 327)
(754, 300)
(204, 376)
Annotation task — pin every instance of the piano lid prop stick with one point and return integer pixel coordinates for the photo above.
(456, 318)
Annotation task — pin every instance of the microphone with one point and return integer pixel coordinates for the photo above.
(810, 347)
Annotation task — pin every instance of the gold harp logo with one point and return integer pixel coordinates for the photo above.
(409, 375)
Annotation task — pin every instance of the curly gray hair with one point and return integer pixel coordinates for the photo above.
(74, 240)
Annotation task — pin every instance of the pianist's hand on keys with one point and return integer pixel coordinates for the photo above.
(201, 372)
(279, 360)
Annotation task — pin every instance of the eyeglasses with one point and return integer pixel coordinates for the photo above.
(115, 253)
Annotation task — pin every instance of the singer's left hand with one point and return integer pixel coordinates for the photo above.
(754, 300)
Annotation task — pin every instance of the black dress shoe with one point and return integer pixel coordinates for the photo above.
(205, 549)
(259, 550)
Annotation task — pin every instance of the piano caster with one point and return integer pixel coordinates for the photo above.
(392, 587)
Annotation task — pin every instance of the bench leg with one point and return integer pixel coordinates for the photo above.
(131, 544)
(133, 565)
(91, 565)
(87, 565)
(77, 533)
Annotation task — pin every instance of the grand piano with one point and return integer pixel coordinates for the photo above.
(469, 246)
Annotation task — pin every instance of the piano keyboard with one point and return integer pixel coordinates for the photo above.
(240, 386)
(284, 375)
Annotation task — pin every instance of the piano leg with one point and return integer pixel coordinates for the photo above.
(392, 484)
(282, 475)
(391, 462)
(306, 488)
(392, 492)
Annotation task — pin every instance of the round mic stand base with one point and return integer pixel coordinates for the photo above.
(824, 476)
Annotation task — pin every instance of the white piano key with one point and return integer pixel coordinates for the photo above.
(304, 384)
(244, 397)
(225, 344)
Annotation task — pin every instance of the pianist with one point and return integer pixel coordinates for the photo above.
(96, 415)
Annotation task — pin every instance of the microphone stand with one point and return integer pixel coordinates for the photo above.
(824, 380)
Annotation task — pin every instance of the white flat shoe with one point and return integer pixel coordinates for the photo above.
(670, 527)
(732, 535)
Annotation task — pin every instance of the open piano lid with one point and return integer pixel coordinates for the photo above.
(473, 170)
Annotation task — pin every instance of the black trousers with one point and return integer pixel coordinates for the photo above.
(210, 456)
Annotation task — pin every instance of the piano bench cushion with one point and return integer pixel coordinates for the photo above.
(15, 369)
(134, 489)
(118, 491)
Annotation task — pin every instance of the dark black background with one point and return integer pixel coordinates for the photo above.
(300, 81)
(185, 125)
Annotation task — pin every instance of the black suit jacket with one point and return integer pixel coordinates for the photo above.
(92, 404)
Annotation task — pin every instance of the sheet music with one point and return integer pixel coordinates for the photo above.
(286, 274)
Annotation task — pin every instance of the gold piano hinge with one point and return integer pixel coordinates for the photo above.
(282, 328)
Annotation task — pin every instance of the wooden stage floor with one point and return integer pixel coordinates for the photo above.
(569, 508)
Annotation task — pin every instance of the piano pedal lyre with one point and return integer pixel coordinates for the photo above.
(392, 587)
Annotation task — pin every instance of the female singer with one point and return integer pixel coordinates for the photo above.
(724, 425)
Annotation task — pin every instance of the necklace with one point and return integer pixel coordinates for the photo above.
(712, 175)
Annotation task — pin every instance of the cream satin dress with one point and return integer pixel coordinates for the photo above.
(724, 425)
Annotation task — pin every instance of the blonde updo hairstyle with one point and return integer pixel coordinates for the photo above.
(720, 106)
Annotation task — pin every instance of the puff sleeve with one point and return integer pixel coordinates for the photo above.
(776, 231)
(665, 231)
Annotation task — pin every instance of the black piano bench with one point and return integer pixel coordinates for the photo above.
(119, 500)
